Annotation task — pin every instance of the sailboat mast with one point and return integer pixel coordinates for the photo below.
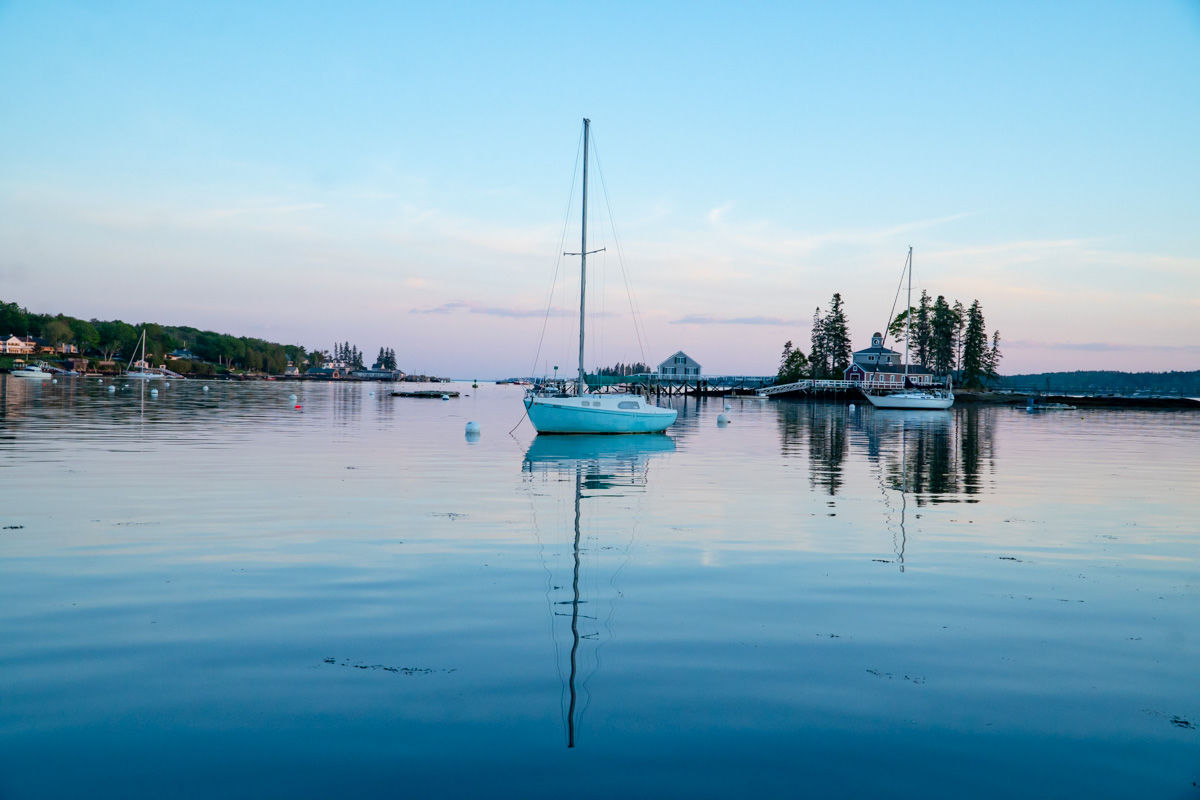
(583, 255)
(908, 318)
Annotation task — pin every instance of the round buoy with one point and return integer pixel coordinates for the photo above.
(206, 388)
(112, 388)
(167, 385)
(292, 397)
(445, 397)
(54, 380)
(370, 394)
(154, 392)
(852, 406)
(722, 419)
(727, 406)
(475, 385)
(473, 428)
(297, 406)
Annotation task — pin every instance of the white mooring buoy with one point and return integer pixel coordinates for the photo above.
(112, 388)
(54, 380)
(291, 397)
(445, 397)
(727, 406)
(206, 388)
(722, 419)
(473, 430)
(167, 384)
(154, 392)
(852, 406)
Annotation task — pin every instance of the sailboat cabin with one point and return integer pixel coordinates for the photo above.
(679, 365)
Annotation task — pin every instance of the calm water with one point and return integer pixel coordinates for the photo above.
(216, 594)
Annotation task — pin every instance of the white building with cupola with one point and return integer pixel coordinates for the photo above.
(878, 365)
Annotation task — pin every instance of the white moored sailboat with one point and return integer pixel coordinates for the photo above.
(909, 398)
(141, 369)
(561, 412)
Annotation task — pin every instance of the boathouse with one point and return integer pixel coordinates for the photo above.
(678, 365)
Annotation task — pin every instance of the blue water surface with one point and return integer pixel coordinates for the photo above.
(218, 594)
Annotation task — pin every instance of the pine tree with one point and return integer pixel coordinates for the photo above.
(818, 353)
(942, 327)
(792, 364)
(992, 363)
(837, 337)
(960, 318)
(975, 349)
(923, 331)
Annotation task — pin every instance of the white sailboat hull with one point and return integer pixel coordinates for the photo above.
(913, 401)
(612, 413)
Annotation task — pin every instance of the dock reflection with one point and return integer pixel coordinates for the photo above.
(598, 469)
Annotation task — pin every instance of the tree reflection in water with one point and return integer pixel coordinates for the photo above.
(934, 456)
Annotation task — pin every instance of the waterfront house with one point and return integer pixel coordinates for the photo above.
(679, 365)
(18, 345)
(181, 354)
(881, 365)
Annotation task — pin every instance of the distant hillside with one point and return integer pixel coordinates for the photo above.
(1186, 384)
(114, 339)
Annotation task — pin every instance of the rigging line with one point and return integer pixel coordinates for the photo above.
(896, 299)
(633, 307)
(559, 257)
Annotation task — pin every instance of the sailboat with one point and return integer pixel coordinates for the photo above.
(556, 410)
(141, 368)
(909, 398)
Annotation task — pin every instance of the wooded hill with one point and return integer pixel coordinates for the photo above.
(1186, 384)
(116, 340)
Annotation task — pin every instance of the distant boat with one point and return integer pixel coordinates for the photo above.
(141, 369)
(553, 409)
(32, 371)
(909, 398)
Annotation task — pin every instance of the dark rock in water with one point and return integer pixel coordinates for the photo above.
(13, 527)
(1180, 722)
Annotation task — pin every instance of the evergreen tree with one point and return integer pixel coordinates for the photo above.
(976, 354)
(942, 327)
(818, 352)
(960, 318)
(992, 364)
(792, 364)
(837, 337)
(923, 332)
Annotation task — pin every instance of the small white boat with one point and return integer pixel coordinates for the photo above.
(910, 398)
(32, 371)
(913, 399)
(559, 412)
(597, 413)
(141, 369)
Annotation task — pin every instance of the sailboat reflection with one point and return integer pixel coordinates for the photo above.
(896, 474)
(600, 469)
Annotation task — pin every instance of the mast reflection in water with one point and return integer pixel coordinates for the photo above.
(599, 470)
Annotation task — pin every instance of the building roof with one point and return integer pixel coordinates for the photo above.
(881, 351)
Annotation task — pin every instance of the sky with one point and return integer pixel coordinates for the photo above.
(400, 174)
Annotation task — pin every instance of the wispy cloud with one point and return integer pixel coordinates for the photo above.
(709, 319)
(717, 214)
(491, 311)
